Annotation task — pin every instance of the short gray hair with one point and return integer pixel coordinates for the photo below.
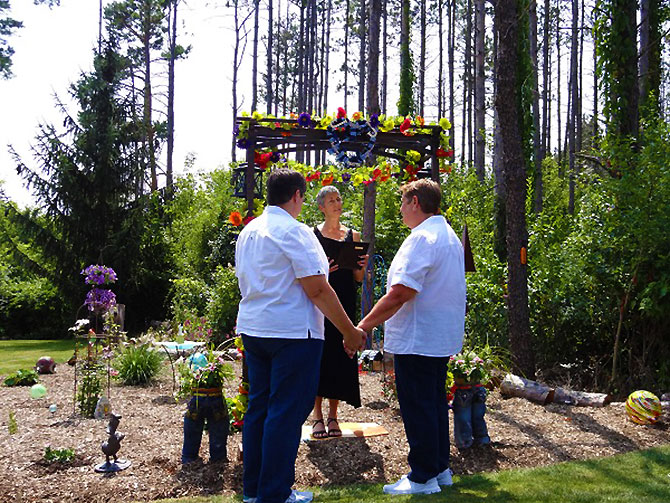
(321, 196)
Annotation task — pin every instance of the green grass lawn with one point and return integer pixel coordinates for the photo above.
(23, 354)
(642, 476)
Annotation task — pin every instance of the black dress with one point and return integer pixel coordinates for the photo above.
(339, 373)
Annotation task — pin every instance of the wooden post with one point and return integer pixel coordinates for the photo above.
(434, 145)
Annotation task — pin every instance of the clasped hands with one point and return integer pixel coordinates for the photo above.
(355, 341)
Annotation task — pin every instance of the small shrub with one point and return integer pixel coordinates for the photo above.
(22, 377)
(222, 308)
(89, 388)
(58, 455)
(11, 425)
(137, 363)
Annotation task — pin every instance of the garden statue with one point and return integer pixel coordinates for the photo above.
(111, 447)
(469, 404)
(45, 365)
(202, 379)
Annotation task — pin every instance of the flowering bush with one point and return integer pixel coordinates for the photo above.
(197, 329)
(100, 299)
(469, 367)
(210, 373)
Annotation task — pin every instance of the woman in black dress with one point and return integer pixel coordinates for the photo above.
(339, 373)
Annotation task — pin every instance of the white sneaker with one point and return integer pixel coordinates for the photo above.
(406, 486)
(295, 497)
(300, 497)
(444, 478)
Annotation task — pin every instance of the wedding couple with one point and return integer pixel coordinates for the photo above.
(282, 272)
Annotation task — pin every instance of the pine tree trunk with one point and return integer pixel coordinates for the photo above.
(361, 55)
(508, 105)
(480, 86)
(148, 100)
(384, 92)
(537, 159)
(571, 132)
(452, 44)
(268, 76)
(558, 81)
(440, 68)
(422, 57)
(545, 83)
(254, 61)
(172, 29)
(346, 52)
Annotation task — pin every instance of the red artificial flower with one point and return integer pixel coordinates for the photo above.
(405, 126)
(376, 173)
(341, 113)
(440, 152)
(367, 182)
(277, 124)
(248, 219)
(235, 218)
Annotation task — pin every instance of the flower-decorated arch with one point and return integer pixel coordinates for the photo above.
(366, 149)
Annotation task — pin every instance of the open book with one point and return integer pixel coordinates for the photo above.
(346, 254)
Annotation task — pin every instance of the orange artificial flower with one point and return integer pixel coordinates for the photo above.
(419, 121)
(356, 116)
(235, 218)
(327, 180)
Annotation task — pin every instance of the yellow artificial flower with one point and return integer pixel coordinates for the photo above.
(413, 156)
(445, 124)
(388, 125)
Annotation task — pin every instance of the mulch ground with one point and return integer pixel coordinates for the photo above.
(523, 435)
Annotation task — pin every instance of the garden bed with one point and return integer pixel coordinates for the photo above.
(523, 434)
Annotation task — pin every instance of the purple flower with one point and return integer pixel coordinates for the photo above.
(98, 275)
(304, 119)
(346, 176)
(243, 143)
(275, 157)
(374, 121)
(100, 298)
(236, 129)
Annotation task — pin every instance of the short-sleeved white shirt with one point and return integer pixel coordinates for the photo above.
(430, 261)
(272, 252)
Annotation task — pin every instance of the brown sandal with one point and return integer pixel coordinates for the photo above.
(333, 432)
(321, 433)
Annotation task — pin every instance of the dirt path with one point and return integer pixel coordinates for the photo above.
(523, 434)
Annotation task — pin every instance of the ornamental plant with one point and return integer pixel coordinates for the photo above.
(467, 366)
(202, 373)
(99, 299)
(137, 361)
(22, 377)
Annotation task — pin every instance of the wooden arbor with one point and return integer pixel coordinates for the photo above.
(286, 135)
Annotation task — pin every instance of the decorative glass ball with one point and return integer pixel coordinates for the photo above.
(643, 407)
(196, 361)
(38, 391)
(45, 365)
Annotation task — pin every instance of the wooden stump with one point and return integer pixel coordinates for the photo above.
(513, 385)
(581, 398)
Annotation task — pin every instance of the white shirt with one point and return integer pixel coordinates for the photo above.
(430, 261)
(272, 252)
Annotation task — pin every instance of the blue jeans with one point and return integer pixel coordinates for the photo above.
(420, 382)
(283, 379)
(215, 411)
(469, 424)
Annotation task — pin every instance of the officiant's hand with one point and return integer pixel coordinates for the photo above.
(332, 265)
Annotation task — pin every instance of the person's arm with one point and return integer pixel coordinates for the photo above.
(324, 297)
(359, 274)
(387, 306)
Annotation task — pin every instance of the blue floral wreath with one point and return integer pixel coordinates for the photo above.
(344, 130)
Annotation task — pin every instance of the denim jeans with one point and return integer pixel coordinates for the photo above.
(420, 382)
(214, 410)
(283, 379)
(469, 408)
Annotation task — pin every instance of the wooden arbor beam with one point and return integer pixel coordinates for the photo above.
(301, 139)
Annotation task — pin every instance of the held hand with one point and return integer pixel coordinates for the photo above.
(333, 265)
(354, 342)
(363, 262)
